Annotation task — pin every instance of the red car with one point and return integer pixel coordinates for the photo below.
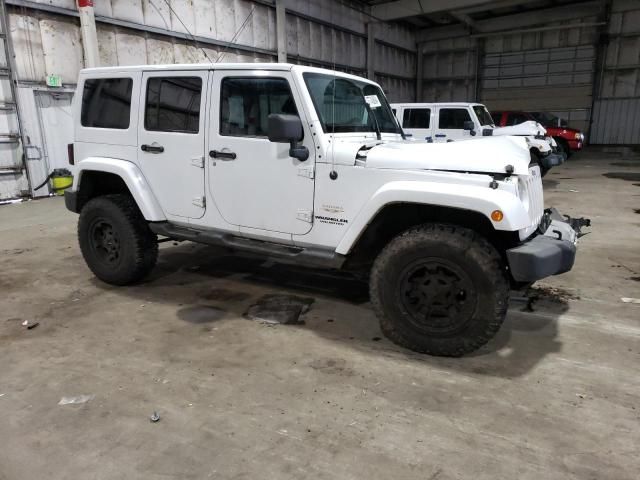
(569, 140)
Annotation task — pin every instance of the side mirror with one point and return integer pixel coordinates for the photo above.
(283, 128)
(468, 125)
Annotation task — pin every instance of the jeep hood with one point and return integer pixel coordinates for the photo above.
(527, 128)
(484, 155)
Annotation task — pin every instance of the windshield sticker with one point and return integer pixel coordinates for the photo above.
(373, 101)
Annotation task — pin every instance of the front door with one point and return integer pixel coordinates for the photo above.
(450, 126)
(254, 182)
(171, 139)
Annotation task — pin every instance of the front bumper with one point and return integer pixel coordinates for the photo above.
(575, 145)
(550, 253)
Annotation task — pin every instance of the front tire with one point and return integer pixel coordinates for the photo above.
(439, 289)
(115, 240)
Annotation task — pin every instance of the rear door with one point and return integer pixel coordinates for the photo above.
(254, 182)
(171, 139)
(450, 125)
(417, 121)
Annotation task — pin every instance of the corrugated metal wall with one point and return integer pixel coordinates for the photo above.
(548, 70)
(616, 111)
(449, 70)
(326, 33)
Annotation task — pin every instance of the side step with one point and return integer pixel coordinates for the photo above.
(299, 255)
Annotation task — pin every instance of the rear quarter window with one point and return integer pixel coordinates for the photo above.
(106, 103)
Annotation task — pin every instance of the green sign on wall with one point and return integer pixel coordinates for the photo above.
(54, 80)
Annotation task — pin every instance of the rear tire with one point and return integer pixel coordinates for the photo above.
(439, 289)
(115, 240)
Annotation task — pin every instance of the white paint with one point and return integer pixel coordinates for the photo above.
(62, 48)
(242, 194)
(54, 112)
(528, 130)
(172, 171)
(89, 36)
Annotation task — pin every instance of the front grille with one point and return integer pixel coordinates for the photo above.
(534, 200)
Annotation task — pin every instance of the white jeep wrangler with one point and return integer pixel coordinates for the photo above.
(310, 166)
(448, 122)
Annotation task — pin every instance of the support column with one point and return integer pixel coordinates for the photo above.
(89, 35)
(477, 81)
(281, 31)
(371, 51)
(419, 70)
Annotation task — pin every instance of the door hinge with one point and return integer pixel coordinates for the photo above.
(199, 202)
(308, 172)
(198, 162)
(305, 216)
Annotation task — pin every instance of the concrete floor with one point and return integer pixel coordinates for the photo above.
(554, 396)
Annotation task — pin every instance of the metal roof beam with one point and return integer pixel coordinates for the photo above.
(518, 21)
(411, 8)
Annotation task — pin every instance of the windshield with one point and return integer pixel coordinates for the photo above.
(548, 119)
(346, 105)
(483, 116)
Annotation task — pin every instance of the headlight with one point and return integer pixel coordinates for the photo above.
(578, 136)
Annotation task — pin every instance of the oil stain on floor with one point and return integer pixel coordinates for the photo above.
(628, 176)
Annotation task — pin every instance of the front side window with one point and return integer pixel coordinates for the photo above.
(416, 118)
(483, 116)
(106, 103)
(246, 103)
(173, 104)
(453, 118)
(347, 105)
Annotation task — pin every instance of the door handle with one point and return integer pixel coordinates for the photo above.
(152, 148)
(440, 135)
(222, 155)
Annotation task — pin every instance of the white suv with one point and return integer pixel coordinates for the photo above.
(310, 166)
(448, 122)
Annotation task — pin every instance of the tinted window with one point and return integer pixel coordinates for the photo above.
(173, 104)
(497, 117)
(106, 103)
(416, 118)
(516, 119)
(246, 104)
(453, 118)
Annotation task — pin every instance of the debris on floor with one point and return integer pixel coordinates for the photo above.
(154, 417)
(273, 309)
(30, 325)
(75, 400)
(630, 300)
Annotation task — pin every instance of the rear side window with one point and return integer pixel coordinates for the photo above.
(416, 118)
(246, 103)
(173, 104)
(453, 118)
(106, 103)
(497, 117)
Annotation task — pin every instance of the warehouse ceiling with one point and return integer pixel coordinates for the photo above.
(435, 13)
